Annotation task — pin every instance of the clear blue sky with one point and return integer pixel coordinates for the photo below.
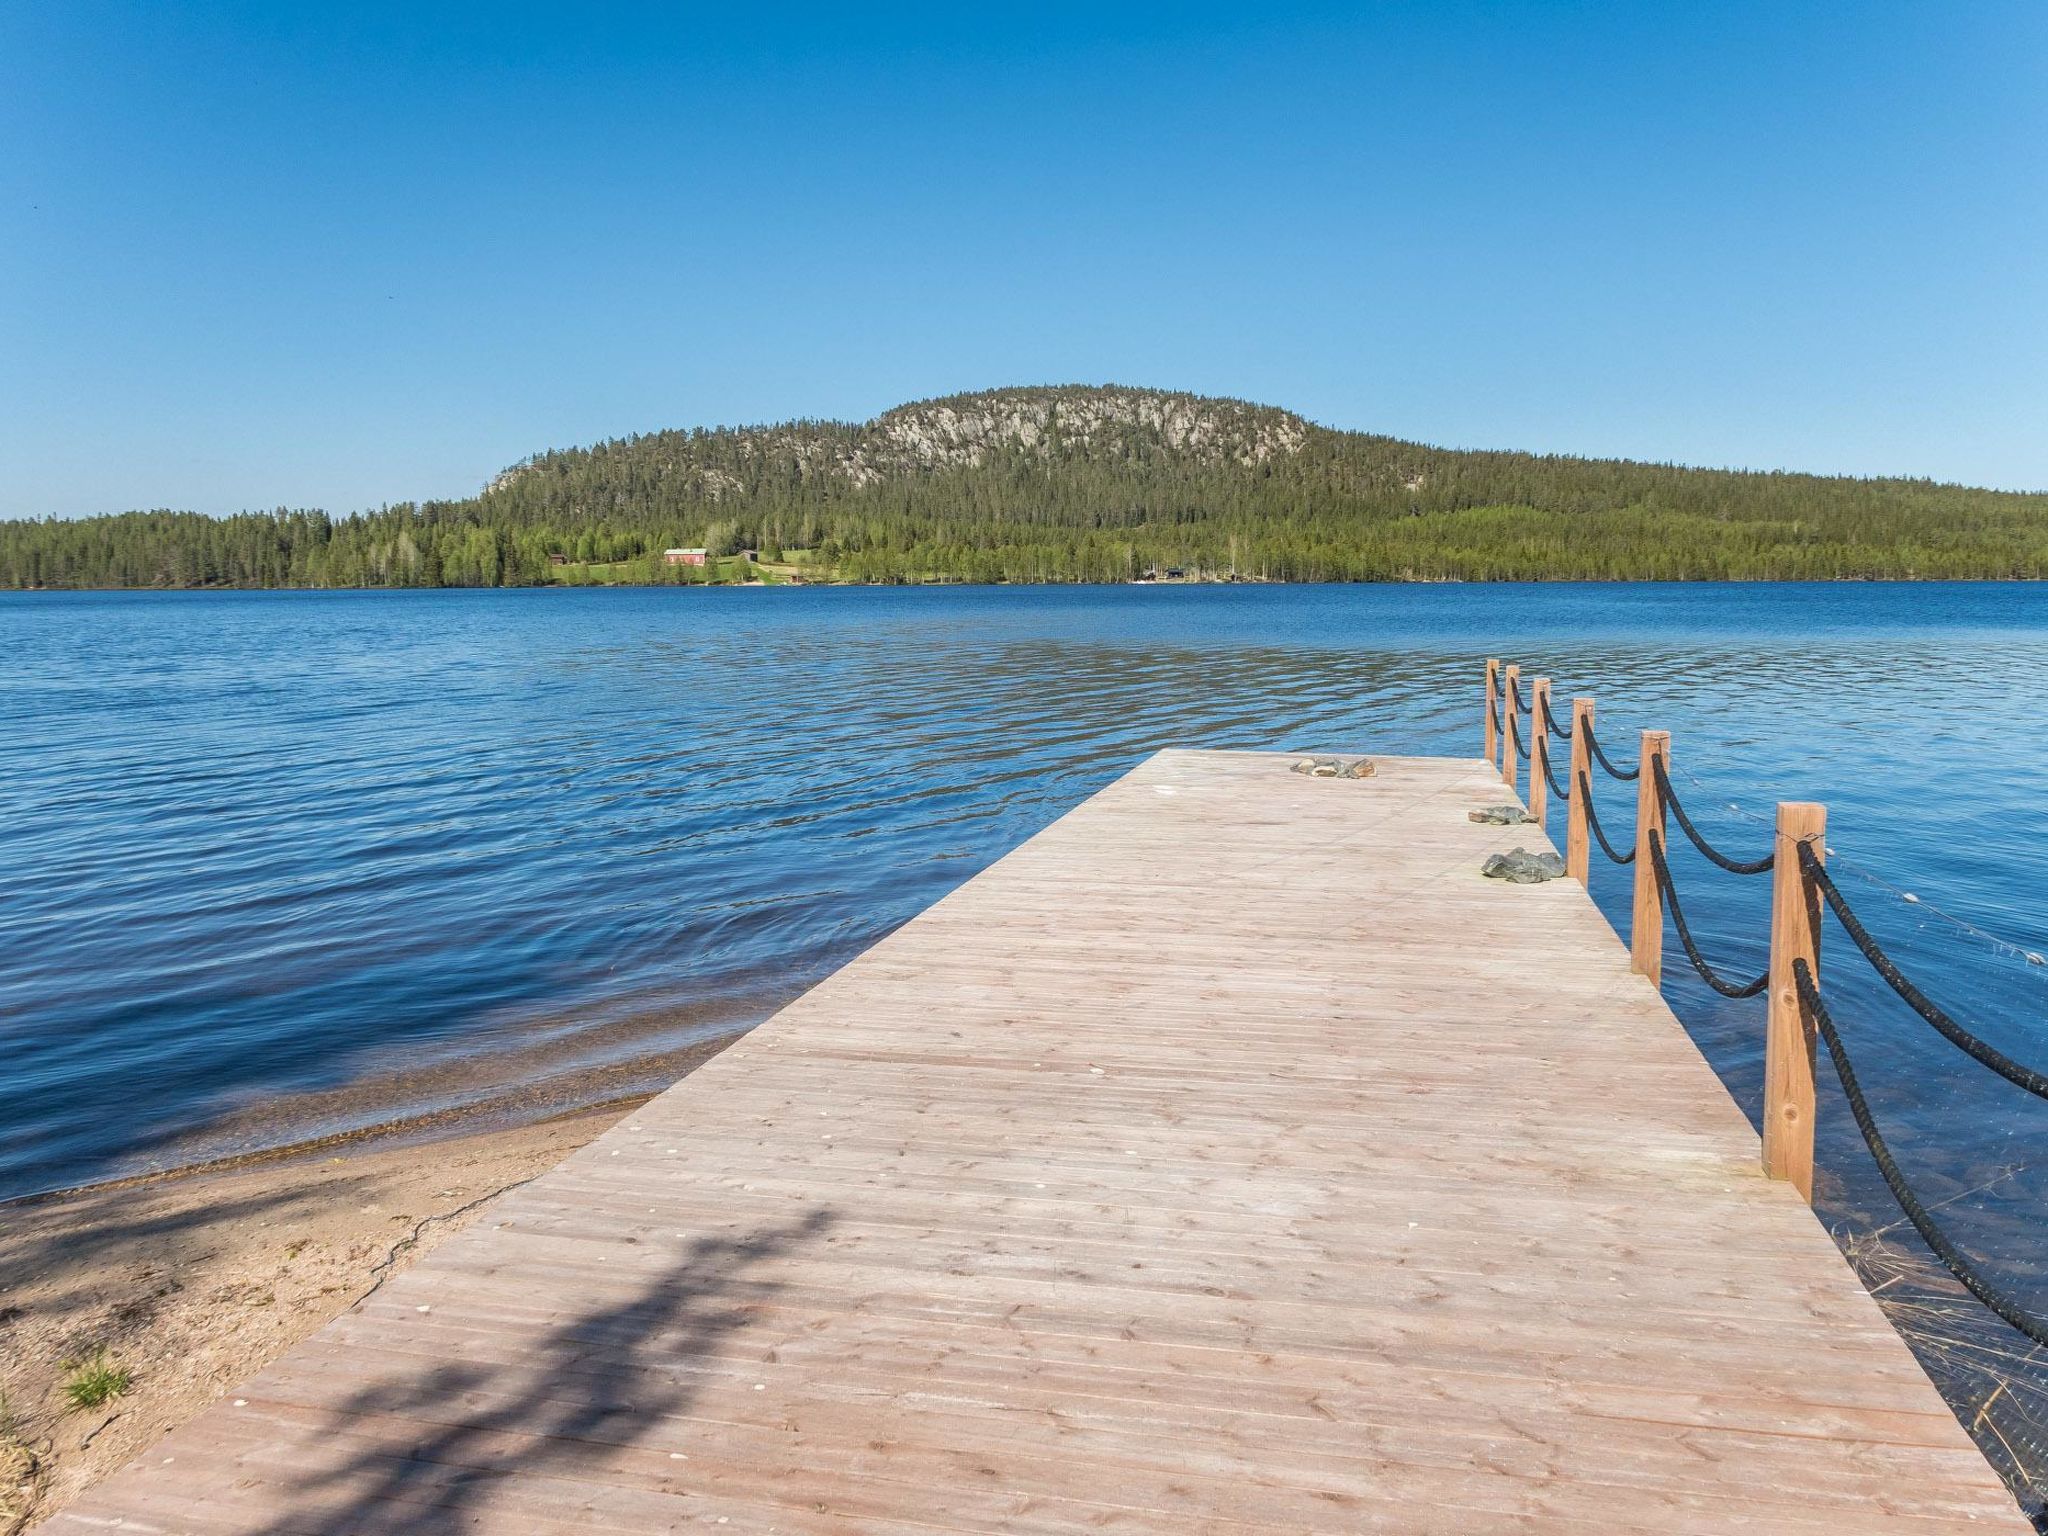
(333, 255)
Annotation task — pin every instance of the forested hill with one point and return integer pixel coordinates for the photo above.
(1067, 484)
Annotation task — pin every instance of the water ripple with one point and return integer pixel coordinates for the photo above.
(278, 865)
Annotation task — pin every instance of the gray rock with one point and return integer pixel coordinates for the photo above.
(1522, 867)
(1335, 767)
(1501, 816)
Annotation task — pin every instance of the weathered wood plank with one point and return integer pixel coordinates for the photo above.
(1229, 1158)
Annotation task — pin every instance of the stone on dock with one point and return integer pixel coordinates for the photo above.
(1521, 867)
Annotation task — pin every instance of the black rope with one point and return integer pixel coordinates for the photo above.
(1692, 951)
(1733, 866)
(1521, 751)
(1556, 788)
(1593, 821)
(2024, 1077)
(1550, 722)
(1493, 710)
(1923, 1222)
(1608, 762)
(1515, 693)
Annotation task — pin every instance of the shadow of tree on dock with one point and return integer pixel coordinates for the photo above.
(426, 1453)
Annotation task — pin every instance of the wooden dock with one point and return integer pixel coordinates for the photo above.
(1230, 1157)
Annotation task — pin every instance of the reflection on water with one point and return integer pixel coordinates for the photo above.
(398, 851)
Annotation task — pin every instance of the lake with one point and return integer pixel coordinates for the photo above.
(280, 865)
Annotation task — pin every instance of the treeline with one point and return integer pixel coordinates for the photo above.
(1113, 506)
(437, 544)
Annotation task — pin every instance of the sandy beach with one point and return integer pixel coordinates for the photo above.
(194, 1282)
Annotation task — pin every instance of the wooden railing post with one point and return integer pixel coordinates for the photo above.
(1492, 692)
(1646, 929)
(1539, 749)
(1788, 1047)
(1576, 846)
(1510, 727)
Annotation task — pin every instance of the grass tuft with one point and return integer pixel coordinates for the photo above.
(95, 1380)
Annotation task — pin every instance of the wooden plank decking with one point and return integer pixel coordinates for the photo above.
(1229, 1158)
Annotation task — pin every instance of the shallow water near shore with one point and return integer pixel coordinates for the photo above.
(283, 865)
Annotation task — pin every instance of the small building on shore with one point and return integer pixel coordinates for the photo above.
(683, 556)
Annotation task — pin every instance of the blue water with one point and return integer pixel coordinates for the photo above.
(277, 865)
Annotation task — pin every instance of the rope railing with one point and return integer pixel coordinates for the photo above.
(1669, 797)
(1815, 1009)
(1712, 977)
(1593, 824)
(1797, 1012)
(1601, 757)
(1550, 724)
(2019, 1076)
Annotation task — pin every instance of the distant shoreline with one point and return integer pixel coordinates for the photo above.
(1204, 582)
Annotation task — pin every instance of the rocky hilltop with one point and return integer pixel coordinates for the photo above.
(1073, 422)
(1047, 424)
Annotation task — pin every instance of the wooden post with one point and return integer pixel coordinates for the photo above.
(1576, 846)
(1788, 1046)
(1539, 749)
(1510, 727)
(1646, 929)
(1492, 691)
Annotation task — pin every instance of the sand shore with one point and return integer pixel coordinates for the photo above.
(195, 1282)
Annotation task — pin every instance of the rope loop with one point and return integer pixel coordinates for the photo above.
(1708, 974)
(2012, 1071)
(1608, 762)
(1593, 821)
(1669, 797)
(1556, 788)
(1550, 722)
(1816, 1014)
